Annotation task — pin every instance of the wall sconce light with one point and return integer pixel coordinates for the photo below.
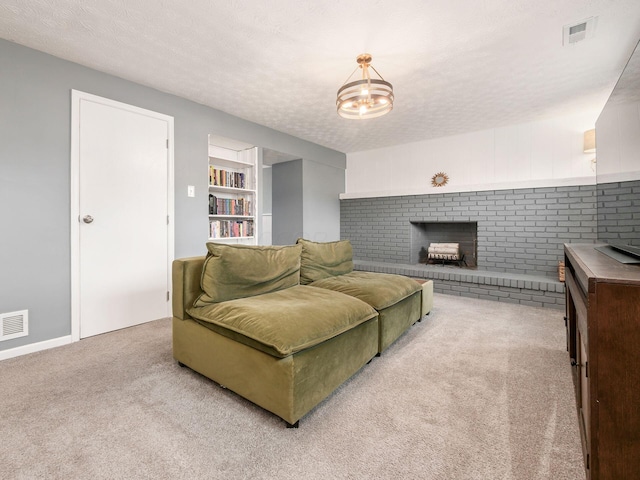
(589, 145)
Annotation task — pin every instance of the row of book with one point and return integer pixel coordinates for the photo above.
(229, 206)
(231, 228)
(223, 178)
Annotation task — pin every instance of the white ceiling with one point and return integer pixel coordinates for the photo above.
(456, 65)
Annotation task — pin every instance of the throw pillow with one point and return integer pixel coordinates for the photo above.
(324, 259)
(239, 271)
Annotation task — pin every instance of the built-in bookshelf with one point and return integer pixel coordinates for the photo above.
(232, 194)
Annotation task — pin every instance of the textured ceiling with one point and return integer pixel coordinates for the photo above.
(456, 66)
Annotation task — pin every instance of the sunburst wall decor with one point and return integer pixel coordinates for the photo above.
(439, 179)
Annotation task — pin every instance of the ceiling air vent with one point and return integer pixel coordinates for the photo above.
(580, 31)
(14, 325)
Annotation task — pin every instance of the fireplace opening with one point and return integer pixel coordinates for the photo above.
(451, 243)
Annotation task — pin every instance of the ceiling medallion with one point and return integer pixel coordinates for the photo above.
(365, 98)
(439, 179)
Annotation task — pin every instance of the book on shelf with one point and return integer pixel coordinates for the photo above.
(213, 204)
(231, 228)
(230, 206)
(224, 178)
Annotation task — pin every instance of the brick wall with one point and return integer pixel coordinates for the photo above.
(519, 231)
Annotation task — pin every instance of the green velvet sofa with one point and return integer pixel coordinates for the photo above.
(242, 318)
(399, 300)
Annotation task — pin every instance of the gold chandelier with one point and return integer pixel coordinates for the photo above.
(365, 98)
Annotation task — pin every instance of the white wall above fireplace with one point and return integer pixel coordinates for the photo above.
(546, 153)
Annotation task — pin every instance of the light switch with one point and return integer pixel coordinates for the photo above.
(191, 191)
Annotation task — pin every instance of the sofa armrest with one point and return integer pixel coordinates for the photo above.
(186, 274)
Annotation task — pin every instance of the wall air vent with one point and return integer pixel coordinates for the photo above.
(579, 31)
(14, 325)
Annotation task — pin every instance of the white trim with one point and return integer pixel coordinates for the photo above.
(76, 98)
(171, 211)
(554, 182)
(618, 177)
(35, 347)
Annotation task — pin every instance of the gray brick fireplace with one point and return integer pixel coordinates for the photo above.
(520, 237)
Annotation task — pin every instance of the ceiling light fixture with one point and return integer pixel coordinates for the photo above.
(365, 98)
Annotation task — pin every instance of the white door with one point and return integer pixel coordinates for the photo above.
(124, 239)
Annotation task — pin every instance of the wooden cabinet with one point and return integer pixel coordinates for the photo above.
(603, 332)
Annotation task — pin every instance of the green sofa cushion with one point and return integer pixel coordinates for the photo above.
(380, 290)
(238, 271)
(287, 321)
(324, 259)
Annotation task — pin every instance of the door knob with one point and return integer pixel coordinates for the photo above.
(87, 219)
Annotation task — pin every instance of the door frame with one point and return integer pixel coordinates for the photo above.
(77, 97)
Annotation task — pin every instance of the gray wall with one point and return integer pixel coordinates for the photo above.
(323, 185)
(287, 199)
(266, 190)
(519, 231)
(35, 100)
(316, 188)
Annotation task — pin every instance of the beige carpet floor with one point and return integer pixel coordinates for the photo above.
(477, 390)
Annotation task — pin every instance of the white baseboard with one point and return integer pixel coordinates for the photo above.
(35, 347)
